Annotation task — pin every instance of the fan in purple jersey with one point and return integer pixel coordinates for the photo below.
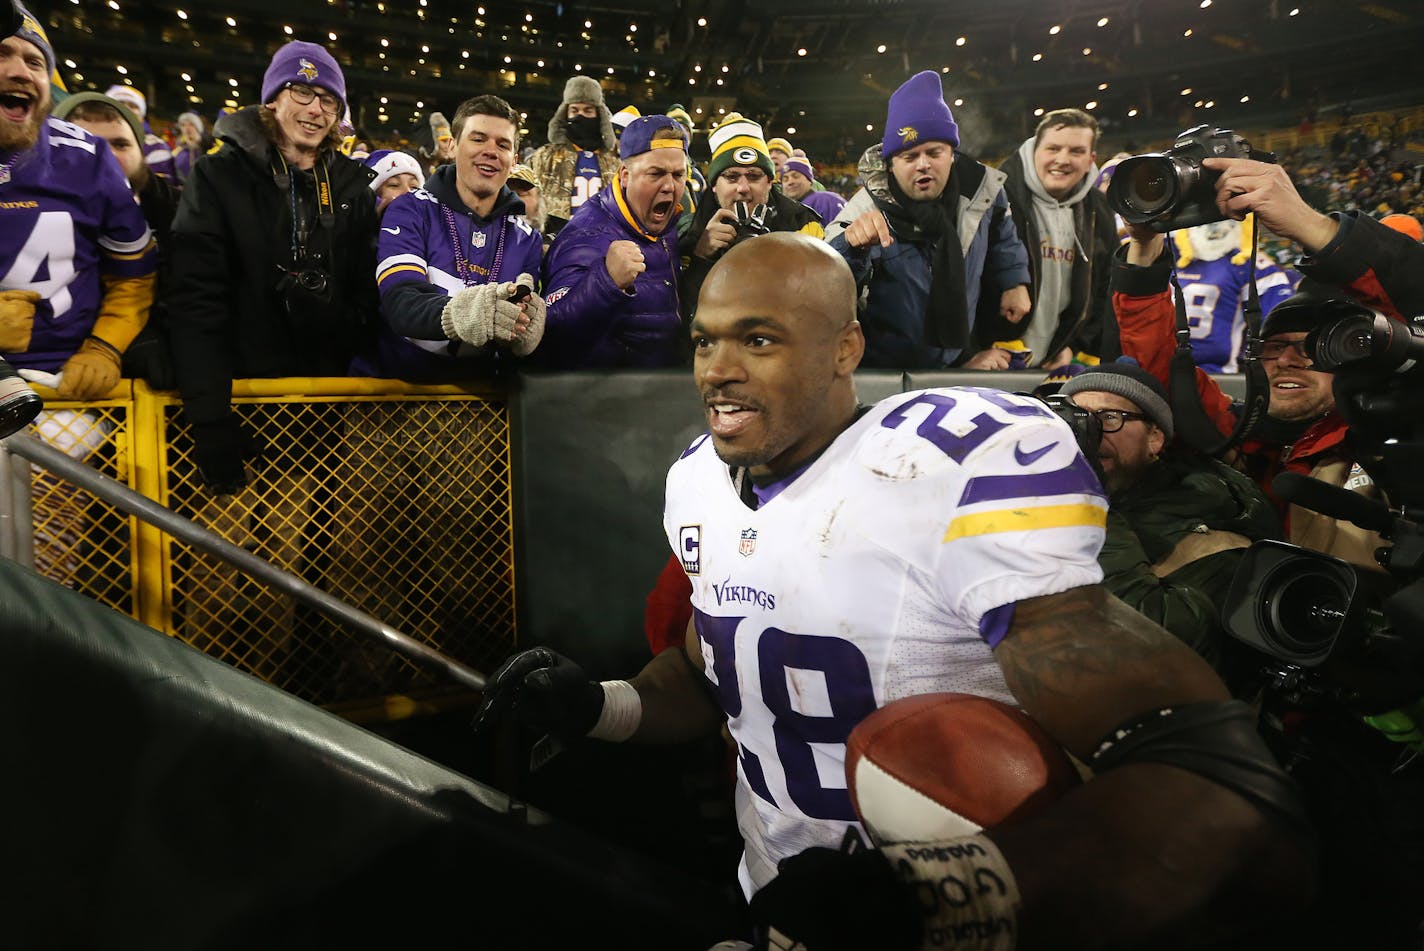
(1214, 272)
(77, 260)
(798, 181)
(454, 258)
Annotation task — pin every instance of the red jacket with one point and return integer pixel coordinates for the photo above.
(1379, 267)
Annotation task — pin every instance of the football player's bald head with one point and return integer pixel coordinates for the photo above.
(792, 267)
(775, 346)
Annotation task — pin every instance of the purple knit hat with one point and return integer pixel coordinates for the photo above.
(918, 114)
(798, 165)
(31, 30)
(300, 62)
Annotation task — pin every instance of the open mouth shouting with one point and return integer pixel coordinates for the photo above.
(660, 211)
(18, 105)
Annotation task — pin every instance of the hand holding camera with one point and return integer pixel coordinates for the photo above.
(528, 335)
(1246, 186)
(751, 220)
(719, 234)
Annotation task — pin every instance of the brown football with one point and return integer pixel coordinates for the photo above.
(942, 765)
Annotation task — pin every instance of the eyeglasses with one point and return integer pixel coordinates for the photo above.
(1272, 350)
(1114, 419)
(754, 176)
(303, 94)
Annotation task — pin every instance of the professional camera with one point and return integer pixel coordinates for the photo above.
(19, 405)
(306, 285)
(1333, 631)
(1172, 190)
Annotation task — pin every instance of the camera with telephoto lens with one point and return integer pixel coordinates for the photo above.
(1172, 190)
(751, 220)
(19, 404)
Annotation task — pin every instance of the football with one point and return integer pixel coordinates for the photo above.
(942, 765)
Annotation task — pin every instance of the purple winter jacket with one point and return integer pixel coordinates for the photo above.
(592, 323)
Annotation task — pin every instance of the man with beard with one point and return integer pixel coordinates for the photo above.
(581, 157)
(273, 264)
(1178, 522)
(843, 557)
(77, 260)
(610, 277)
(928, 239)
(452, 255)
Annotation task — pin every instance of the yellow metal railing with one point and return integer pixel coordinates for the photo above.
(392, 497)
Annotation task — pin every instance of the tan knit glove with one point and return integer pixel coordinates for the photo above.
(91, 373)
(17, 319)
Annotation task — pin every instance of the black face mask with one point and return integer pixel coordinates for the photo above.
(586, 132)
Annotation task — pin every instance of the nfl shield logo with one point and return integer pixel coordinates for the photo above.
(748, 543)
(478, 239)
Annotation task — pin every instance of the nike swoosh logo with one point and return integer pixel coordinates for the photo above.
(391, 230)
(1029, 458)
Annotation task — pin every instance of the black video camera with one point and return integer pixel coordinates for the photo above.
(1331, 630)
(1172, 190)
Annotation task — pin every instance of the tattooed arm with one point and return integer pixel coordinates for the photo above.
(1145, 852)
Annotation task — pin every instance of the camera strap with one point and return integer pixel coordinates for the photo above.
(1190, 417)
(326, 206)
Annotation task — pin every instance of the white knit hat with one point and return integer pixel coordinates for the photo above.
(388, 163)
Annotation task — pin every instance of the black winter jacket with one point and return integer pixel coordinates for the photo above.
(230, 249)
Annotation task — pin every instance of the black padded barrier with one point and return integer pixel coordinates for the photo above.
(591, 454)
(156, 799)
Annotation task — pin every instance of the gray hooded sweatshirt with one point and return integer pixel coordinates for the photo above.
(1058, 249)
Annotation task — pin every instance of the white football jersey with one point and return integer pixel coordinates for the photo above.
(865, 580)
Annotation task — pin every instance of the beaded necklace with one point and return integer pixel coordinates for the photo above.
(463, 267)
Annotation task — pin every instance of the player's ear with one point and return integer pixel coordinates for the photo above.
(850, 348)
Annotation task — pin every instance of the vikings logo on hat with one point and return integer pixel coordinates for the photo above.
(307, 71)
(745, 156)
(908, 134)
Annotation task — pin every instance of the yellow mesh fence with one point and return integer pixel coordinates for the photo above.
(80, 541)
(395, 499)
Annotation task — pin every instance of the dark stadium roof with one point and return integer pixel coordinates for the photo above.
(822, 68)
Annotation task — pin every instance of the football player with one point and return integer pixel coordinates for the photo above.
(844, 556)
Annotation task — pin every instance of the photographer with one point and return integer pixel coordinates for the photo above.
(748, 204)
(1302, 432)
(1362, 786)
(274, 260)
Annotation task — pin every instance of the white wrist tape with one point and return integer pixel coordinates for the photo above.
(968, 892)
(622, 712)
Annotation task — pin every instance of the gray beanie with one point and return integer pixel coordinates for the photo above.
(1130, 382)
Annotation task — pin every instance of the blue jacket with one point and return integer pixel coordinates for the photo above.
(898, 277)
(592, 323)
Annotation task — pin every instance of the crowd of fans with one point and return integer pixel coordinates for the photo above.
(293, 246)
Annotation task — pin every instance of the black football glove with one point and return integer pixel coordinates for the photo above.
(835, 900)
(545, 690)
